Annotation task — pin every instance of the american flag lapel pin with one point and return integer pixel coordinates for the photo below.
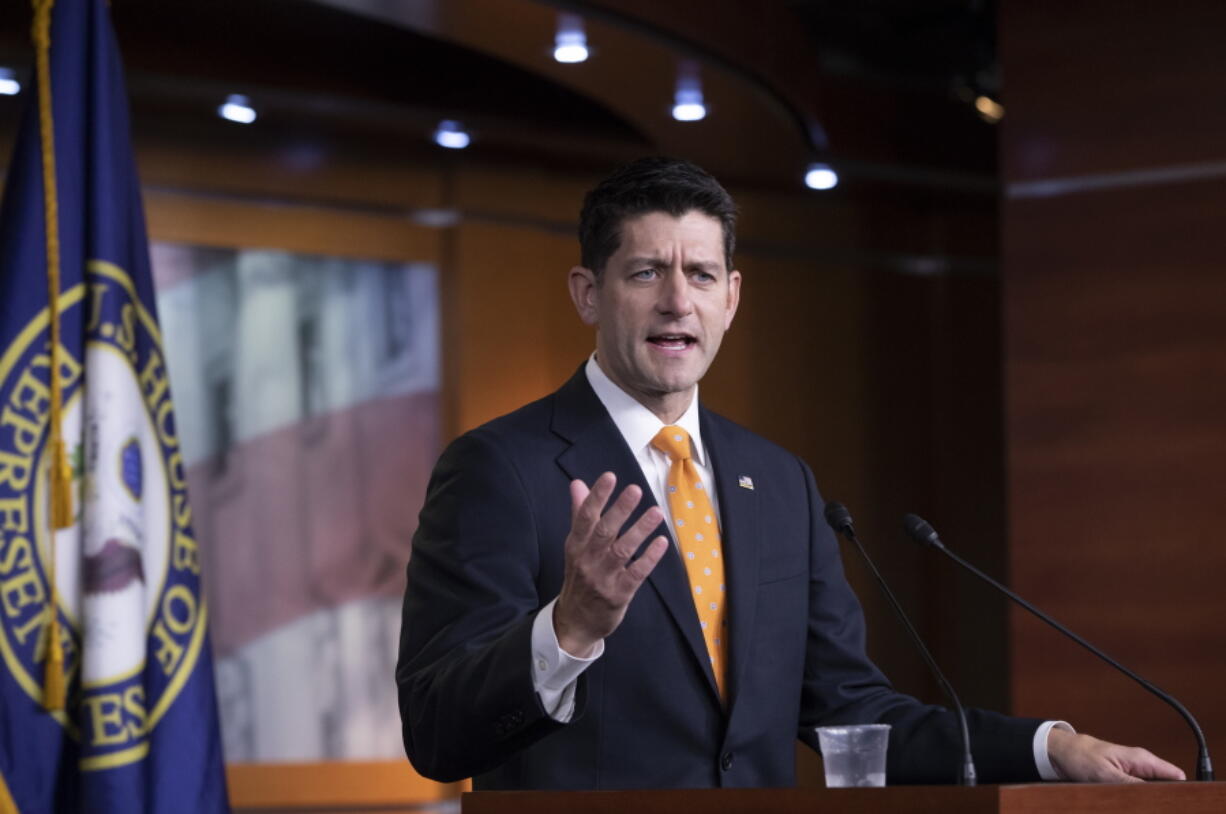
(745, 482)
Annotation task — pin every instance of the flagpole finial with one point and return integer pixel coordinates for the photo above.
(54, 688)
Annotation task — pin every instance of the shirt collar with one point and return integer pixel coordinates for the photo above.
(636, 423)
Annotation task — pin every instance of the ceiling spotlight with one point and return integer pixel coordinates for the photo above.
(570, 44)
(689, 108)
(452, 135)
(821, 176)
(237, 109)
(990, 110)
(9, 86)
(688, 104)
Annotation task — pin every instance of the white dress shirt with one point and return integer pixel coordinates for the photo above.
(554, 671)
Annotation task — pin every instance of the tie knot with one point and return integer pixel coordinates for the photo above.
(673, 442)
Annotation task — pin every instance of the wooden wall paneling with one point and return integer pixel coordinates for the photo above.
(190, 218)
(1117, 383)
(527, 196)
(1095, 87)
(968, 622)
(853, 230)
(1115, 326)
(305, 173)
(898, 335)
(936, 450)
(517, 336)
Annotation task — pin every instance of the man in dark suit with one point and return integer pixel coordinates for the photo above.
(684, 632)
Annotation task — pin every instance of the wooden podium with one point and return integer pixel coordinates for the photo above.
(1180, 798)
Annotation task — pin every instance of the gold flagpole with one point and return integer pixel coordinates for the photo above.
(54, 690)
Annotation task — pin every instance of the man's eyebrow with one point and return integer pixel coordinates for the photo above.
(655, 261)
(647, 260)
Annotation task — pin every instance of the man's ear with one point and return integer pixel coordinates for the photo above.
(584, 291)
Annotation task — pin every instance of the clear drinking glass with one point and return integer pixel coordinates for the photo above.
(854, 755)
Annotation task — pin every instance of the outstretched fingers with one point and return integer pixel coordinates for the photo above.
(578, 493)
(1143, 763)
(587, 505)
(596, 523)
(610, 524)
(599, 579)
(644, 565)
(623, 548)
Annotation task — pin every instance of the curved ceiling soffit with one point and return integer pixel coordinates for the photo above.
(762, 41)
(753, 131)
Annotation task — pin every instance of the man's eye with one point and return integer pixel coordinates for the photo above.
(645, 274)
(704, 276)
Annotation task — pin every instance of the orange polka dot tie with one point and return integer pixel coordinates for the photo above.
(698, 541)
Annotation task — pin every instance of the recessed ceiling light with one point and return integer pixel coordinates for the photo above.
(821, 176)
(990, 110)
(9, 86)
(688, 104)
(237, 109)
(452, 135)
(570, 43)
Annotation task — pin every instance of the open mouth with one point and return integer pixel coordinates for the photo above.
(672, 341)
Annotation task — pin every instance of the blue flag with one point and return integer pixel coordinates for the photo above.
(138, 731)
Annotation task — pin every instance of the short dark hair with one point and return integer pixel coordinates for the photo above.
(650, 185)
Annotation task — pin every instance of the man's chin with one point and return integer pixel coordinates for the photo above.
(653, 381)
(667, 386)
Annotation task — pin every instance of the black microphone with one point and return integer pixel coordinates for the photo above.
(840, 520)
(925, 535)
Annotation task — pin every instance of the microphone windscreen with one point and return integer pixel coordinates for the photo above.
(919, 530)
(838, 517)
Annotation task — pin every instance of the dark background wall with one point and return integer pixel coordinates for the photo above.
(1115, 359)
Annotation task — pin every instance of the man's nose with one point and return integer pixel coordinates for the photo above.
(675, 294)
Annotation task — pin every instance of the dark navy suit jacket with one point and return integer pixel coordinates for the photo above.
(488, 555)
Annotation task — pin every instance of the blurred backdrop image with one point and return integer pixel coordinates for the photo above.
(307, 396)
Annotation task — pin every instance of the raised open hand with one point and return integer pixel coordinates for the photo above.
(599, 579)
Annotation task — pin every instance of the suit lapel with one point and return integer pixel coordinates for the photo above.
(596, 447)
(738, 509)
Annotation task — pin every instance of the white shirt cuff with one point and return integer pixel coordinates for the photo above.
(554, 671)
(1041, 760)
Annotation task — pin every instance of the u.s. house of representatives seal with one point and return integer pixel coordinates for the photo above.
(131, 611)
